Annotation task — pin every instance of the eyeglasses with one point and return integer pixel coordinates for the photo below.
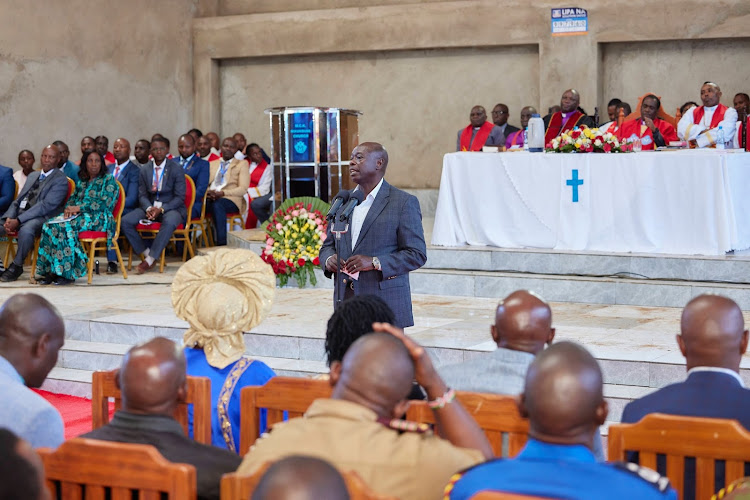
(499, 112)
(158, 149)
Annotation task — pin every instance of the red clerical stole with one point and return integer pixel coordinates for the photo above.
(715, 120)
(636, 129)
(482, 134)
(557, 127)
(251, 221)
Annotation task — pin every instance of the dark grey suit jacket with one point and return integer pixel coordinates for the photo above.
(49, 203)
(392, 232)
(172, 194)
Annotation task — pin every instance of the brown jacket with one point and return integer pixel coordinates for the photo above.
(237, 180)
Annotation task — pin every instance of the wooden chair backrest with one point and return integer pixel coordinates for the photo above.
(118, 210)
(71, 189)
(198, 394)
(87, 468)
(496, 414)
(497, 495)
(706, 439)
(189, 199)
(291, 394)
(15, 192)
(238, 487)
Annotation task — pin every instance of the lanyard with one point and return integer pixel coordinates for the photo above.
(223, 170)
(158, 178)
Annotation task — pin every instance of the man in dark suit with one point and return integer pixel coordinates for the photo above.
(196, 167)
(42, 197)
(713, 339)
(161, 194)
(7, 188)
(126, 173)
(500, 115)
(152, 379)
(385, 239)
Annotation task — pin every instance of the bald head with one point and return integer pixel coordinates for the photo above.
(376, 372)
(523, 322)
(152, 377)
(301, 478)
(478, 116)
(50, 158)
(570, 101)
(31, 334)
(121, 150)
(563, 395)
(526, 114)
(213, 138)
(712, 333)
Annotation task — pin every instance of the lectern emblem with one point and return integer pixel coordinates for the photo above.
(300, 147)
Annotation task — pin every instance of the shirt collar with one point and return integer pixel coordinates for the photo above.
(187, 160)
(9, 369)
(711, 108)
(375, 190)
(162, 165)
(716, 369)
(159, 423)
(340, 408)
(123, 164)
(538, 450)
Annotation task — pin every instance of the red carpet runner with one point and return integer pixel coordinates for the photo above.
(75, 411)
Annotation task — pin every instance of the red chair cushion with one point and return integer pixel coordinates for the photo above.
(154, 227)
(91, 235)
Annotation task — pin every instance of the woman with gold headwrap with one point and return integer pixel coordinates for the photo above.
(221, 295)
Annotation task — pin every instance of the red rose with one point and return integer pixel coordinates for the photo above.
(575, 134)
(316, 261)
(598, 138)
(300, 262)
(607, 147)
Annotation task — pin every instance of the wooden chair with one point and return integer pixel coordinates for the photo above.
(97, 240)
(201, 223)
(10, 250)
(706, 439)
(198, 394)
(661, 113)
(291, 394)
(233, 219)
(181, 234)
(496, 415)
(238, 487)
(89, 469)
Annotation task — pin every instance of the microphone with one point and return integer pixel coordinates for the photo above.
(355, 199)
(341, 198)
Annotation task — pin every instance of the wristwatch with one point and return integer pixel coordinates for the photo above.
(376, 263)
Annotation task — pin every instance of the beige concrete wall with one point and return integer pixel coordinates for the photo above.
(238, 7)
(73, 68)
(413, 102)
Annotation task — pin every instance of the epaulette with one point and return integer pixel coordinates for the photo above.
(405, 425)
(644, 473)
(740, 488)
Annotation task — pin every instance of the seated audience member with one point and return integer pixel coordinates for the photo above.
(42, 197)
(229, 180)
(523, 326)
(61, 257)
(569, 117)
(126, 172)
(161, 198)
(259, 193)
(26, 162)
(159, 136)
(68, 167)
(31, 334)
(479, 132)
(500, 115)
(196, 168)
(213, 138)
(700, 125)
(742, 106)
(102, 146)
(564, 403)
(241, 142)
(21, 470)
(612, 108)
(612, 127)
(203, 146)
(301, 478)
(152, 379)
(686, 106)
(7, 188)
(352, 429)
(88, 144)
(141, 152)
(553, 109)
(195, 134)
(651, 130)
(221, 295)
(516, 138)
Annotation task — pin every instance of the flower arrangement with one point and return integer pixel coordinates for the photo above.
(294, 236)
(585, 140)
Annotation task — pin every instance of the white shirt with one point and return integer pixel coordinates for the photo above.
(160, 177)
(121, 167)
(239, 155)
(717, 369)
(264, 184)
(221, 180)
(687, 130)
(360, 212)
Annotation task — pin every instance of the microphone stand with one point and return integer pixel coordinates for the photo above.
(339, 281)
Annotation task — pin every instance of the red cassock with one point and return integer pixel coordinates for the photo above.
(482, 134)
(557, 127)
(635, 129)
(251, 221)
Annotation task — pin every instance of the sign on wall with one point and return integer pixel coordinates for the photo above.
(569, 21)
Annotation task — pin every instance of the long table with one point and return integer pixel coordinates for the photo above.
(674, 202)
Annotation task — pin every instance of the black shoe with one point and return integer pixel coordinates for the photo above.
(12, 273)
(111, 268)
(59, 280)
(46, 280)
(2, 267)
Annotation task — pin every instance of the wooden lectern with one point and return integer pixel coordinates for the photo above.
(310, 147)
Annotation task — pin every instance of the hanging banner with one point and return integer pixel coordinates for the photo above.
(568, 21)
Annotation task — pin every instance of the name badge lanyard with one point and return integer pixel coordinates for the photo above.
(222, 172)
(157, 179)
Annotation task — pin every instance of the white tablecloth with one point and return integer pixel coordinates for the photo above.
(676, 202)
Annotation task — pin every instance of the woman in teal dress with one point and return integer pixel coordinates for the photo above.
(61, 256)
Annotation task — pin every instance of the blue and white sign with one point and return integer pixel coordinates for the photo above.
(569, 21)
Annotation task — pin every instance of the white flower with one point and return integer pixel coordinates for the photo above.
(598, 143)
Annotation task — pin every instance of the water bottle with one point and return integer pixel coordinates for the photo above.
(536, 134)
(720, 138)
(526, 139)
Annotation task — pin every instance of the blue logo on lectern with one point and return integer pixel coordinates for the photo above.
(300, 147)
(574, 182)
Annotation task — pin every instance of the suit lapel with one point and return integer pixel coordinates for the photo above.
(381, 200)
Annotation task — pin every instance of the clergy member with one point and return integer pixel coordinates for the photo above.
(699, 126)
(742, 106)
(479, 133)
(652, 131)
(516, 138)
(567, 118)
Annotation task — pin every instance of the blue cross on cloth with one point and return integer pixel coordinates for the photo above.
(574, 182)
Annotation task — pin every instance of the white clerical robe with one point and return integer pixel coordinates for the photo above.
(687, 130)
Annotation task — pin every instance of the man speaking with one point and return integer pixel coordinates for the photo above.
(385, 239)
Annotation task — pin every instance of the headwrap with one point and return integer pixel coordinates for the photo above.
(221, 295)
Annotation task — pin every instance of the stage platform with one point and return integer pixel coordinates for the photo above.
(624, 308)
